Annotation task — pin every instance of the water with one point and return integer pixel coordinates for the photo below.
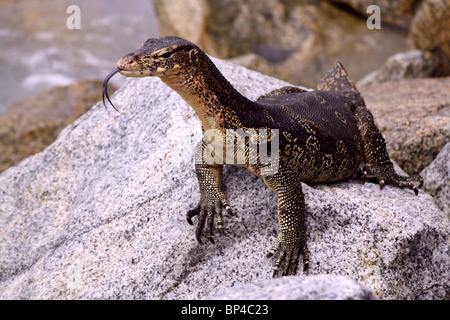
(38, 51)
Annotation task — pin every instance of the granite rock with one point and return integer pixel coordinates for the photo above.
(318, 287)
(414, 117)
(394, 12)
(437, 179)
(429, 31)
(29, 126)
(300, 39)
(411, 64)
(256, 62)
(100, 214)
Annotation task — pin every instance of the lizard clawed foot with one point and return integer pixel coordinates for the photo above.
(288, 258)
(206, 214)
(385, 174)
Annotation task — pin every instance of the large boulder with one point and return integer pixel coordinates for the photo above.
(429, 31)
(29, 126)
(414, 117)
(393, 12)
(437, 179)
(319, 287)
(301, 39)
(100, 213)
(411, 64)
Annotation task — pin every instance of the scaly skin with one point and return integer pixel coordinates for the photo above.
(323, 135)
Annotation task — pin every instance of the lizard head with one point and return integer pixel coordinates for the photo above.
(162, 57)
(159, 57)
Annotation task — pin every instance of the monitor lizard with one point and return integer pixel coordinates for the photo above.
(323, 136)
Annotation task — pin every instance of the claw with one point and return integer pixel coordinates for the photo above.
(278, 263)
(385, 174)
(206, 215)
(274, 249)
(364, 176)
(294, 264)
(287, 264)
(192, 213)
(210, 225)
(229, 211)
(305, 266)
(305, 253)
(200, 226)
(289, 258)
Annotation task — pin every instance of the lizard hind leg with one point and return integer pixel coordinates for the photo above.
(376, 159)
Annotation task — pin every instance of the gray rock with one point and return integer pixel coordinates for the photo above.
(411, 64)
(300, 39)
(437, 179)
(394, 12)
(255, 62)
(319, 287)
(101, 212)
(30, 125)
(414, 118)
(429, 31)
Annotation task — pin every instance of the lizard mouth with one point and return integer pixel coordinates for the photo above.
(128, 67)
(136, 73)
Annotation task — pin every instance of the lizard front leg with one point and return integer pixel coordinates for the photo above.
(212, 198)
(291, 241)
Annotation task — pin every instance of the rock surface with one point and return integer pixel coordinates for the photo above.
(29, 126)
(411, 64)
(414, 117)
(101, 212)
(394, 12)
(320, 287)
(437, 179)
(430, 31)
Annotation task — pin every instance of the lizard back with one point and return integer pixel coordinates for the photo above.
(319, 137)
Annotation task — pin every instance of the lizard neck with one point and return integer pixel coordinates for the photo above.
(208, 92)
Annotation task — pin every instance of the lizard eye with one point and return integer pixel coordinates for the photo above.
(166, 55)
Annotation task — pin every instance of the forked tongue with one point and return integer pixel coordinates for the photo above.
(105, 88)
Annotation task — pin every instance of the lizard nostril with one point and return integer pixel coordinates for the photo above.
(127, 62)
